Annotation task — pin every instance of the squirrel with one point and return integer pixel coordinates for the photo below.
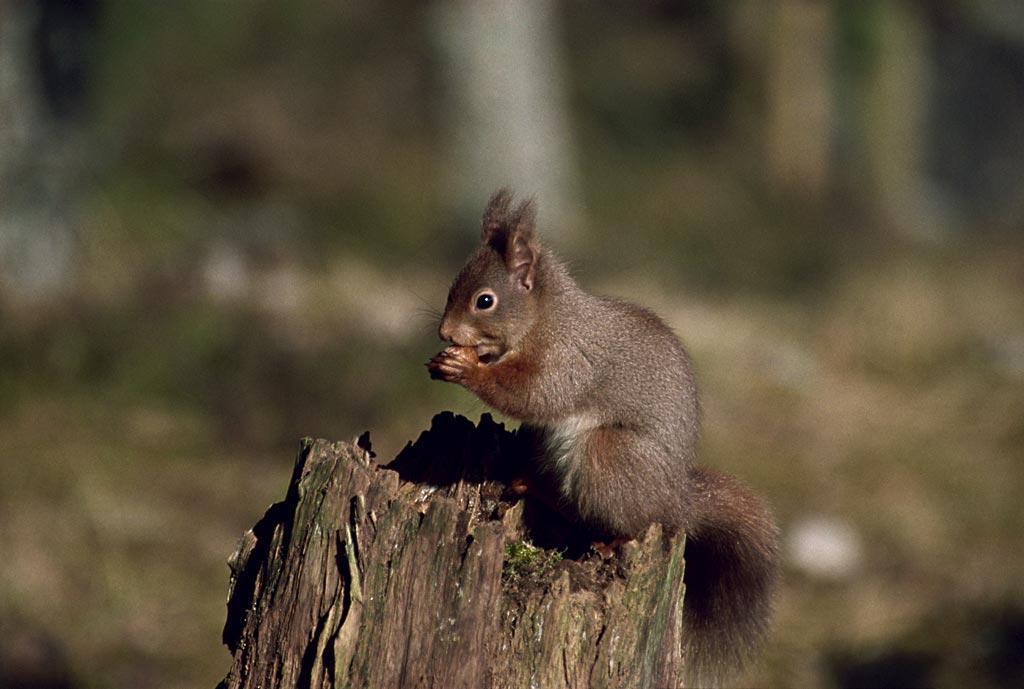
(607, 392)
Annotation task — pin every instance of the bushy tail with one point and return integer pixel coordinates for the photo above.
(731, 568)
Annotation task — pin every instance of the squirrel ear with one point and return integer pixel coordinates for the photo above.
(522, 250)
(510, 233)
(494, 229)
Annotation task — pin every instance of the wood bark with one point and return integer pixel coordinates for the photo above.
(422, 573)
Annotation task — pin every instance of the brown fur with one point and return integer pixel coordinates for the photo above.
(608, 392)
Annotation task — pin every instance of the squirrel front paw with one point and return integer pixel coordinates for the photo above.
(454, 365)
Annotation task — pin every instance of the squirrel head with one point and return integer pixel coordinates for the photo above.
(493, 301)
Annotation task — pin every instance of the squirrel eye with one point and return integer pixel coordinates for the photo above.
(485, 301)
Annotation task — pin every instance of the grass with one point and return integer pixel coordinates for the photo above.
(115, 533)
(139, 445)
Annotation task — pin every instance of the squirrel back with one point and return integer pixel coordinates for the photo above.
(607, 391)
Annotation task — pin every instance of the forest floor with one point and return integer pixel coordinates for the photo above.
(883, 417)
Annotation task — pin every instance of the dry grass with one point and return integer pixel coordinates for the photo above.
(892, 402)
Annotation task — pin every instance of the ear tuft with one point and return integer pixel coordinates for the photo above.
(510, 232)
(523, 220)
(494, 228)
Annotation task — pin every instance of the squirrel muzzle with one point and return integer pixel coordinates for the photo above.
(458, 333)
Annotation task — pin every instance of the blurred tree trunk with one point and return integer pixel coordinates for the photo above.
(799, 86)
(895, 110)
(43, 48)
(506, 108)
(416, 574)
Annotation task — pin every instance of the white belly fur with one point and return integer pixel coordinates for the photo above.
(564, 442)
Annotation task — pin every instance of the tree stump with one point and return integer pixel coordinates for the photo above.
(428, 572)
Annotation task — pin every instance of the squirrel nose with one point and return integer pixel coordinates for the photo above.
(445, 331)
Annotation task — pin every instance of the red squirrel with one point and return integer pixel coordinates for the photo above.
(608, 393)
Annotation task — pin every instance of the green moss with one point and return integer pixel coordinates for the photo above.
(524, 561)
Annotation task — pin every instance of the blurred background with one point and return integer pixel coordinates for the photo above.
(226, 225)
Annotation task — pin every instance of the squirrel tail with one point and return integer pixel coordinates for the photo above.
(731, 568)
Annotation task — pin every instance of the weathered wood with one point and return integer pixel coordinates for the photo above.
(420, 574)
